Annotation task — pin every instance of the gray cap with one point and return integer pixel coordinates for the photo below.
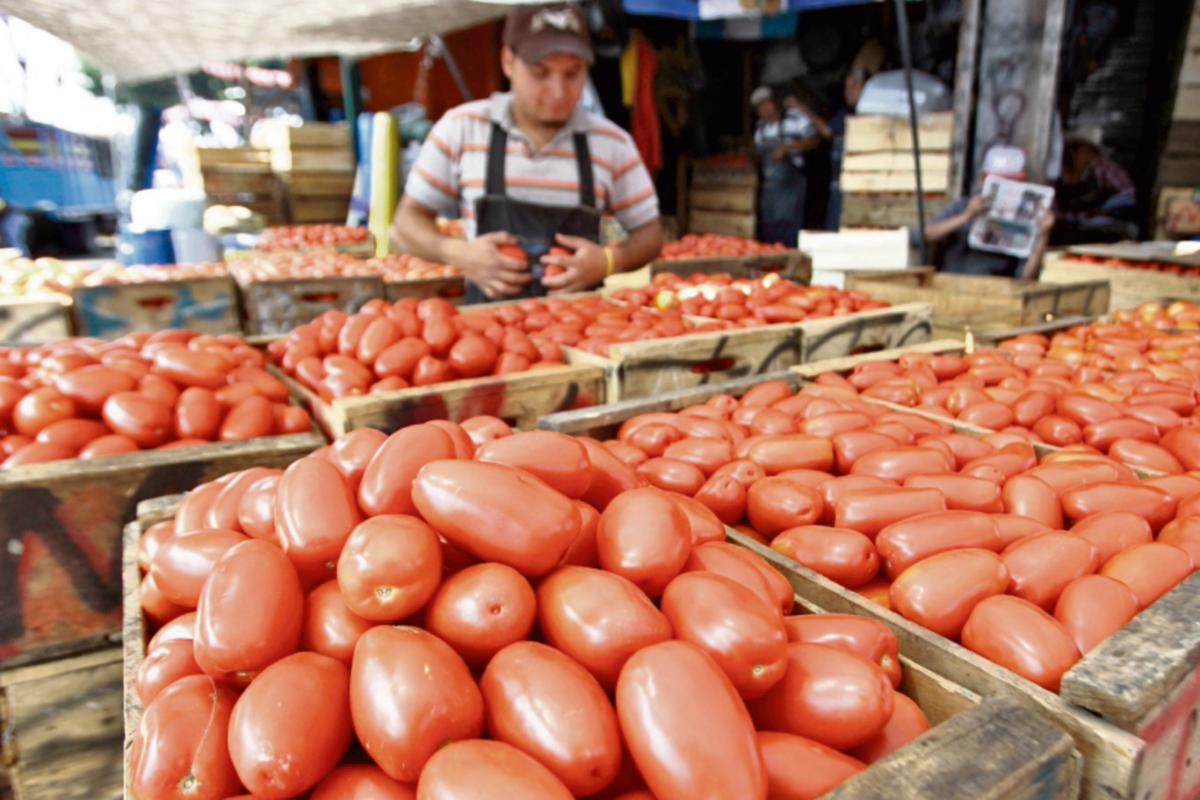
(760, 94)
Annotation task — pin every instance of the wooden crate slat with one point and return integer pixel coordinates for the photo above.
(450, 289)
(895, 161)
(722, 198)
(729, 223)
(933, 180)
(319, 183)
(881, 328)
(870, 132)
(309, 210)
(886, 210)
(317, 159)
(34, 320)
(276, 307)
(1129, 286)
(205, 305)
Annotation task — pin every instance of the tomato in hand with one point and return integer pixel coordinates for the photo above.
(481, 610)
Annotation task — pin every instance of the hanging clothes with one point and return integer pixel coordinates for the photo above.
(638, 65)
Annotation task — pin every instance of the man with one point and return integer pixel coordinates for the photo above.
(1094, 192)
(953, 223)
(781, 139)
(532, 169)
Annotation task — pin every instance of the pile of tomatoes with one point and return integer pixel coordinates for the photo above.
(1154, 266)
(749, 303)
(715, 244)
(23, 276)
(409, 268)
(84, 398)
(1154, 317)
(360, 625)
(302, 237)
(971, 538)
(384, 348)
(332, 264)
(118, 273)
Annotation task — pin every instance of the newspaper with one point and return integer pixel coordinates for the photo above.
(1010, 223)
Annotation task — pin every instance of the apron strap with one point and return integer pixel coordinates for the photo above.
(587, 182)
(497, 152)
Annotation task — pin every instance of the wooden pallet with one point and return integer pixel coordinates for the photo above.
(35, 319)
(450, 289)
(205, 305)
(1130, 287)
(61, 727)
(519, 397)
(276, 307)
(983, 302)
(977, 750)
(64, 521)
(1129, 705)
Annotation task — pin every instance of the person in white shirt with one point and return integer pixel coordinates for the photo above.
(782, 137)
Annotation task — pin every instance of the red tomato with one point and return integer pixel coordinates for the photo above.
(480, 769)
(869, 511)
(380, 334)
(110, 445)
(1041, 566)
(940, 593)
(151, 539)
(833, 696)
(598, 618)
(1111, 532)
(908, 722)
(740, 630)
(1149, 570)
(361, 782)
(386, 486)
(872, 640)
(1184, 533)
(582, 552)
(181, 741)
(782, 453)
(192, 514)
(844, 556)
(249, 419)
(1093, 607)
(40, 408)
(197, 414)
(899, 463)
(223, 512)
(256, 509)
(1021, 637)
(777, 503)
(163, 665)
(183, 563)
(561, 461)
(610, 475)
(801, 768)
(143, 419)
(330, 627)
(410, 694)
(281, 747)
(909, 541)
(88, 387)
(962, 492)
(191, 368)
(672, 475)
(686, 727)
(401, 359)
(724, 496)
(473, 355)
(543, 702)
(315, 513)
(644, 536)
(704, 524)
(389, 568)
(1148, 502)
(481, 610)
(73, 434)
(233, 645)
(707, 454)
(37, 453)
(498, 513)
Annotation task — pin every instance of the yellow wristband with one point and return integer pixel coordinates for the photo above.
(608, 254)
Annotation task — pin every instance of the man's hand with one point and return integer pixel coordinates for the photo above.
(497, 274)
(1045, 222)
(780, 152)
(975, 206)
(582, 269)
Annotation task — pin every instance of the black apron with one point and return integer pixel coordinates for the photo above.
(533, 225)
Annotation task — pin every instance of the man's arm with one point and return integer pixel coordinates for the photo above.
(1033, 265)
(938, 229)
(588, 264)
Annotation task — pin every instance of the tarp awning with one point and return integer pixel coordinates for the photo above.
(139, 40)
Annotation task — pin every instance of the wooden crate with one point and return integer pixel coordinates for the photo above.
(729, 223)
(1130, 287)
(871, 133)
(722, 197)
(206, 305)
(34, 320)
(319, 184)
(316, 159)
(519, 397)
(59, 589)
(450, 289)
(982, 302)
(1178, 212)
(896, 161)
(892, 182)
(647, 369)
(61, 727)
(886, 210)
(227, 156)
(308, 210)
(790, 264)
(310, 134)
(239, 180)
(276, 307)
(1026, 757)
(1129, 705)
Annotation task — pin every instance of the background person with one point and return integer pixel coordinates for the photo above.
(781, 138)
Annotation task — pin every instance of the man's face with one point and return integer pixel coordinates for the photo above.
(767, 111)
(549, 90)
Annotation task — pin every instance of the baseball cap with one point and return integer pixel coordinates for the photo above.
(760, 94)
(1004, 162)
(537, 31)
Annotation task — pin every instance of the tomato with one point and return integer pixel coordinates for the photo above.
(909, 541)
(192, 514)
(256, 509)
(401, 359)
(1149, 570)
(473, 355)
(965, 448)
(672, 475)
(143, 419)
(940, 592)
(361, 782)
(1021, 637)
(1184, 444)
(151, 539)
(191, 368)
(908, 722)
(1093, 607)
(844, 556)
(724, 496)
(833, 696)
(179, 748)
(184, 562)
(707, 454)
(88, 387)
(869, 511)
(962, 492)
(330, 627)
(157, 608)
(582, 552)
(872, 640)
(1184, 533)
(739, 629)
(541, 701)
(782, 453)
(652, 438)
(1041, 566)
(1152, 504)
(598, 618)
(40, 408)
(281, 747)
(163, 665)
(389, 568)
(481, 769)
(498, 513)
(73, 434)
(110, 445)
(686, 727)
(1179, 487)
(197, 414)
(561, 461)
(37, 453)
(386, 486)
(249, 419)
(1062, 476)
(223, 512)
(409, 695)
(610, 475)
(630, 455)
(1111, 532)
(380, 334)
(233, 645)
(644, 536)
(481, 610)
(315, 513)
(777, 503)
(801, 769)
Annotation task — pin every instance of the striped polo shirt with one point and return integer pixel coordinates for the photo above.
(452, 167)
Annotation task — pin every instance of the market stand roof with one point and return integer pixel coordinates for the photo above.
(139, 40)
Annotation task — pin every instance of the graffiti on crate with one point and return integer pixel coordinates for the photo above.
(98, 320)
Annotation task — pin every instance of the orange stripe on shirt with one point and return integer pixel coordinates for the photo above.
(536, 183)
(445, 187)
(628, 165)
(637, 198)
(445, 148)
(469, 115)
(615, 133)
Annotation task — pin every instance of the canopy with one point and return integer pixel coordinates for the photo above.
(139, 40)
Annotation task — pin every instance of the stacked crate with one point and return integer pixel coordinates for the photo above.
(722, 197)
(315, 163)
(241, 176)
(878, 179)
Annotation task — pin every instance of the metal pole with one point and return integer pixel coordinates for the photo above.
(906, 58)
(440, 49)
